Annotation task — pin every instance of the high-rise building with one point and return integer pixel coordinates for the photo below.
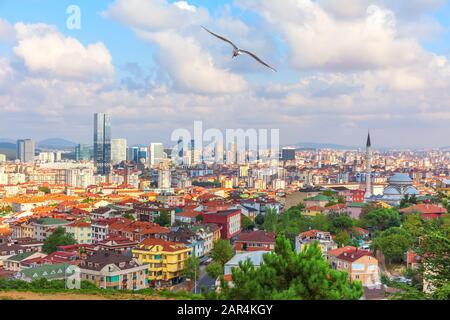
(102, 143)
(2, 158)
(156, 153)
(288, 154)
(25, 150)
(368, 167)
(118, 150)
(83, 152)
(164, 178)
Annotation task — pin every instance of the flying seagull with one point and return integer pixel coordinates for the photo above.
(237, 51)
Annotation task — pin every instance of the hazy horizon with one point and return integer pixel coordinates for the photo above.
(371, 64)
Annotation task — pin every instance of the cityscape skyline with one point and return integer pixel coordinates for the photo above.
(397, 84)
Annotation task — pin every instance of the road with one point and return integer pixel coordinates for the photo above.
(204, 281)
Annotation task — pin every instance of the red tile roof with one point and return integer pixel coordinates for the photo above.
(424, 209)
(257, 236)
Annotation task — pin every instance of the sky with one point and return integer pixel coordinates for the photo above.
(344, 67)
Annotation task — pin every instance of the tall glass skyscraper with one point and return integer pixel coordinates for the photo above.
(25, 150)
(102, 143)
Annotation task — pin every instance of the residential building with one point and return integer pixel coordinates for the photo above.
(359, 264)
(428, 211)
(228, 220)
(255, 241)
(166, 260)
(81, 231)
(112, 270)
(43, 227)
(322, 238)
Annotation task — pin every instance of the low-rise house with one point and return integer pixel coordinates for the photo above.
(428, 211)
(354, 209)
(8, 250)
(188, 237)
(359, 264)
(14, 263)
(165, 260)
(208, 233)
(255, 257)
(255, 241)
(116, 244)
(189, 217)
(111, 270)
(313, 211)
(319, 200)
(322, 238)
(46, 271)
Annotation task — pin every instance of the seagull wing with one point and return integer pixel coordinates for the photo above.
(221, 38)
(257, 59)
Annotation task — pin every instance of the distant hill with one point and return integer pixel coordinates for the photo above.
(313, 145)
(7, 140)
(8, 149)
(56, 143)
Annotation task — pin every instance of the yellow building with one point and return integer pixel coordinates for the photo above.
(81, 232)
(166, 260)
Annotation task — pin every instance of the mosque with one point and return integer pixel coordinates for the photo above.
(400, 184)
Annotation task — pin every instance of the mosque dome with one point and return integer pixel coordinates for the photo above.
(400, 178)
(392, 191)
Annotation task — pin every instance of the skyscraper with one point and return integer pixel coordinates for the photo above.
(83, 152)
(25, 150)
(368, 167)
(156, 153)
(102, 143)
(118, 150)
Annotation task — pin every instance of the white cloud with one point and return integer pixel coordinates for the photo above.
(45, 50)
(190, 67)
(155, 14)
(318, 40)
(6, 30)
(185, 6)
(180, 55)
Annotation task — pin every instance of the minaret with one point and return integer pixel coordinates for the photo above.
(368, 167)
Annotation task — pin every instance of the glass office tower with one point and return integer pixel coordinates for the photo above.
(25, 150)
(102, 143)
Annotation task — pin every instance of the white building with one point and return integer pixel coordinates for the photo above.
(118, 150)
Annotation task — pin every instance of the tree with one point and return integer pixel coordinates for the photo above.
(163, 219)
(259, 220)
(247, 223)
(191, 268)
(199, 218)
(434, 248)
(382, 219)
(57, 238)
(340, 222)
(45, 190)
(214, 270)
(343, 239)
(371, 206)
(287, 275)
(394, 243)
(270, 220)
(129, 216)
(222, 251)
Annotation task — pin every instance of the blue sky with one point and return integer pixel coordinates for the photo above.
(362, 72)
